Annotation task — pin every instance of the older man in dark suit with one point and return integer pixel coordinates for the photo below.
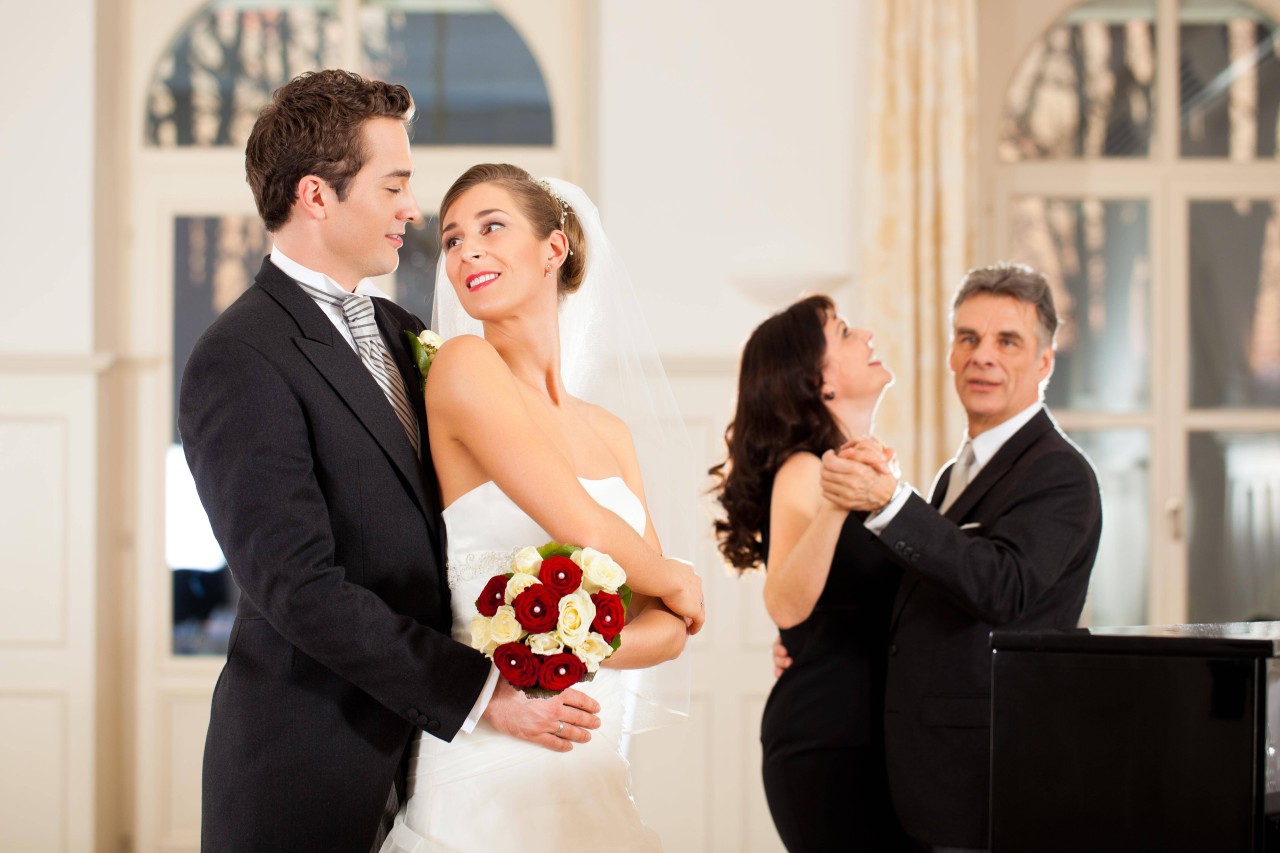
(1007, 540)
(302, 418)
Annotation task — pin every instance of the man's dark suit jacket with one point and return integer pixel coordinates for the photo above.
(1014, 551)
(331, 527)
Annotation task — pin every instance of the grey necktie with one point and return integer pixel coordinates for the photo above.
(364, 328)
(959, 476)
(373, 354)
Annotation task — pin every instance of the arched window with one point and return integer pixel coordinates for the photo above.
(1129, 151)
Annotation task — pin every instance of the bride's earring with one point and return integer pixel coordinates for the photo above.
(546, 272)
(828, 395)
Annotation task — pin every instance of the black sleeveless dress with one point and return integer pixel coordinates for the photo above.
(823, 725)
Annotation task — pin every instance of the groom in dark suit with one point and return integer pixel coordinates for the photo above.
(1007, 540)
(301, 414)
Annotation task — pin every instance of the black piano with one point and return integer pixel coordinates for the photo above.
(1150, 738)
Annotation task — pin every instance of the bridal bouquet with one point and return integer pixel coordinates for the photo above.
(549, 622)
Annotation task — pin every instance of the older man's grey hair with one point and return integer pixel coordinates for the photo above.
(1022, 283)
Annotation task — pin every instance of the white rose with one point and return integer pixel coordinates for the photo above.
(481, 636)
(526, 561)
(577, 612)
(518, 583)
(430, 339)
(599, 571)
(545, 644)
(504, 627)
(592, 650)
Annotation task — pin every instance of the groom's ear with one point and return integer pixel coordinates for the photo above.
(312, 198)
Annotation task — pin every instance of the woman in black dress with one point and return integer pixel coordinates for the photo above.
(809, 383)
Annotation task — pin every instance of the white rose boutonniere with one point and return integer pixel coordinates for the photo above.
(424, 347)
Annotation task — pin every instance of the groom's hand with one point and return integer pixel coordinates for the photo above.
(556, 723)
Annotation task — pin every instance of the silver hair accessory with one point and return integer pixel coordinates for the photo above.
(565, 209)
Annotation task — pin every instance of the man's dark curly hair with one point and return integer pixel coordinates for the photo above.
(314, 126)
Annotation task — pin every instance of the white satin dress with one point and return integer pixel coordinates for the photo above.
(490, 791)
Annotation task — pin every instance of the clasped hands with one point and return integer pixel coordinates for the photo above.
(861, 476)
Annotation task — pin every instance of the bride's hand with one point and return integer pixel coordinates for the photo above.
(686, 600)
(556, 723)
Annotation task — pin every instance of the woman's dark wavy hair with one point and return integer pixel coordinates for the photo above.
(780, 412)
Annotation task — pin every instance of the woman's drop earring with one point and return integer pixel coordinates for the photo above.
(547, 271)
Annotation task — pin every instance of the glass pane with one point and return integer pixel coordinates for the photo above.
(1095, 255)
(1234, 526)
(215, 260)
(1118, 586)
(1229, 80)
(1235, 303)
(1087, 88)
(223, 66)
(473, 79)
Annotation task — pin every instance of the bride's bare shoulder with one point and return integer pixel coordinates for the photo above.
(462, 367)
(610, 427)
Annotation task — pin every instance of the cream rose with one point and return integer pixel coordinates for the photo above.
(504, 627)
(599, 571)
(577, 612)
(518, 583)
(593, 650)
(545, 644)
(430, 339)
(526, 561)
(481, 635)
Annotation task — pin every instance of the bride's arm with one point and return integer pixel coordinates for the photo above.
(653, 633)
(474, 406)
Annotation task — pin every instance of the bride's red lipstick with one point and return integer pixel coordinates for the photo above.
(479, 280)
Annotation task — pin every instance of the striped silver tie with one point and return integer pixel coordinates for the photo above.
(364, 328)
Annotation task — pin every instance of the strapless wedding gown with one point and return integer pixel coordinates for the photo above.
(490, 791)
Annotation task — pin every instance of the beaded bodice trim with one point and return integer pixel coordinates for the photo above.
(479, 564)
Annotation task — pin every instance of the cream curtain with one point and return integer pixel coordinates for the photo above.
(917, 240)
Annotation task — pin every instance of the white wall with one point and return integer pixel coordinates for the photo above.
(48, 430)
(46, 144)
(728, 158)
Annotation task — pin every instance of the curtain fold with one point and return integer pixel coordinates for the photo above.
(918, 198)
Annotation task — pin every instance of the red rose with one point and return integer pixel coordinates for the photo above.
(610, 615)
(560, 671)
(517, 664)
(493, 596)
(561, 575)
(537, 608)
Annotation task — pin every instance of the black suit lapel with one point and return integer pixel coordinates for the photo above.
(1000, 464)
(341, 367)
(990, 474)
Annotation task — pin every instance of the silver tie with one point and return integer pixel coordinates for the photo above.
(381, 366)
(959, 476)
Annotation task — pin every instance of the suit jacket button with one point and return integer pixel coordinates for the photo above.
(412, 713)
(893, 650)
(915, 558)
(433, 725)
(899, 545)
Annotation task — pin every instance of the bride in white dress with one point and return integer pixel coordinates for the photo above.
(521, 461)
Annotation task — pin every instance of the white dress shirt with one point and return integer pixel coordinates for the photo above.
(366, 287)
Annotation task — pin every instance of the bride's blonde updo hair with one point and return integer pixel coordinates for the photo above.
(544, 210)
